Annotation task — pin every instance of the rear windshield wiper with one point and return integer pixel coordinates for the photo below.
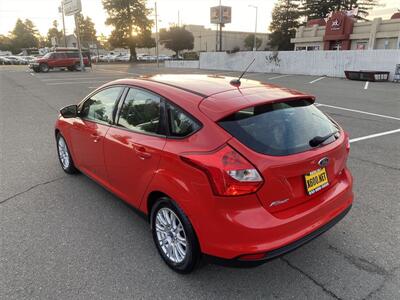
(318, 140)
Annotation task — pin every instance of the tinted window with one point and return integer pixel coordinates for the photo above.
(141, 111)
(180, 124)
(72, 54)
(101, 105)
(279, 128)
(58, 55)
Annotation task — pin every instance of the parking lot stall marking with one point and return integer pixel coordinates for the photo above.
(79, 78)
(318, 79)
(280, 76)
(75, 82)
(374, 135)
(360, 111)
(366, 85)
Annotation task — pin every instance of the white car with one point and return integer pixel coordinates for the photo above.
(122, 57)
(13, 60)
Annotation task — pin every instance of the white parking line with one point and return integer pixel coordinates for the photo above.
(366, 85)
(79, 78)
(74, 82)
(318, 79)
(360, 111)
(374, 135)
(280, 76)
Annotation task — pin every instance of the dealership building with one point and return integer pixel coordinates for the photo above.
(343, 32)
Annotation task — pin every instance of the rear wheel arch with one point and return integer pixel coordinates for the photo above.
(152, 199)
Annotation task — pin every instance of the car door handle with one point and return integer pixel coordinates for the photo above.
(95, 137)
(142, 153)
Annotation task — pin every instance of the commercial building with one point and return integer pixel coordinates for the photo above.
(205, 39)
(342, 32)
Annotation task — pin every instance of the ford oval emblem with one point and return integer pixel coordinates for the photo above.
(323, 162)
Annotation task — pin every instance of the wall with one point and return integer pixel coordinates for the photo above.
(190, 64)
(319, 63)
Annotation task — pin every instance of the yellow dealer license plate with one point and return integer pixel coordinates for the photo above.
(316, 181)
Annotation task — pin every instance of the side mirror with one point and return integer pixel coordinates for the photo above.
(70, 111)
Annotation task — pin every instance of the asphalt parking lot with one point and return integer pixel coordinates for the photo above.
(66, 237)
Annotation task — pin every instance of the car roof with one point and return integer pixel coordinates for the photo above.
(204, 85)
(214, 95)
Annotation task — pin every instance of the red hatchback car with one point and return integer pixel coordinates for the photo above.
(234, 173)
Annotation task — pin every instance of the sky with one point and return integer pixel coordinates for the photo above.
(43, 12)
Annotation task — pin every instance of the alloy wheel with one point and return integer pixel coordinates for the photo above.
(171, 235)
(63, 153)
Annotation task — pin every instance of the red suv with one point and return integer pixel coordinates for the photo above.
(51, 60)
(233, 173)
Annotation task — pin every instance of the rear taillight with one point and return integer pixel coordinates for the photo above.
(229, 173)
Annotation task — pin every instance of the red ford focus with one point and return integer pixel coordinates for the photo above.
(228, 172)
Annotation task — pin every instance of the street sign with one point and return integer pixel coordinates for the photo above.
(220, 14)
(72, 7)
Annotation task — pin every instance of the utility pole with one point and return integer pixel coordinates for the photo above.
(156, 17)
(255, 29)
(216, 39)
(79, 43)
(220, 26)
(61, 10)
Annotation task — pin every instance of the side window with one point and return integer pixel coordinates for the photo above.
(101, 105)
(141, 112)
(58, 55)
(180, 124)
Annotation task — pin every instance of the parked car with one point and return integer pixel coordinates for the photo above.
(122, 57)
(4, 60)
(51, 60)
(29, 59)
(13, 60)
(228, 171)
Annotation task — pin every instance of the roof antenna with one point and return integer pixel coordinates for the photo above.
(236, 82)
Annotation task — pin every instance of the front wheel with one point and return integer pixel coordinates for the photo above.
(174, 236)
(64, 155)
(44, 68)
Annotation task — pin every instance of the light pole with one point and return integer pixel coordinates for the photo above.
(255, 29)
(157, 38)
(61, 10)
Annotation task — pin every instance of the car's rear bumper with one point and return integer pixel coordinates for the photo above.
(275, 253)
(240, 227)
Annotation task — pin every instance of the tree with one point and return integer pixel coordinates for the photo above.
(316, 9)
(5, 43)
(87, 30)
(24, 35)
(132, 27)
(177, 39)
(55, 33)
(249, 42)
(285, 21)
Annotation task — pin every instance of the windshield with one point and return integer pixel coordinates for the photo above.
(47, 55)
(280, 128)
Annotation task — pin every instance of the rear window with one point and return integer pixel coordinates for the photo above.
(279, 128)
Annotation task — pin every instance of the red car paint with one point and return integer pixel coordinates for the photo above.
(135, 166)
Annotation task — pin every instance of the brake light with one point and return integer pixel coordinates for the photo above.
(229, 173)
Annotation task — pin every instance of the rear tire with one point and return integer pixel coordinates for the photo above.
(77, 67)
(64, 155)
(44, 68)
(174, 236)
(71, 69)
